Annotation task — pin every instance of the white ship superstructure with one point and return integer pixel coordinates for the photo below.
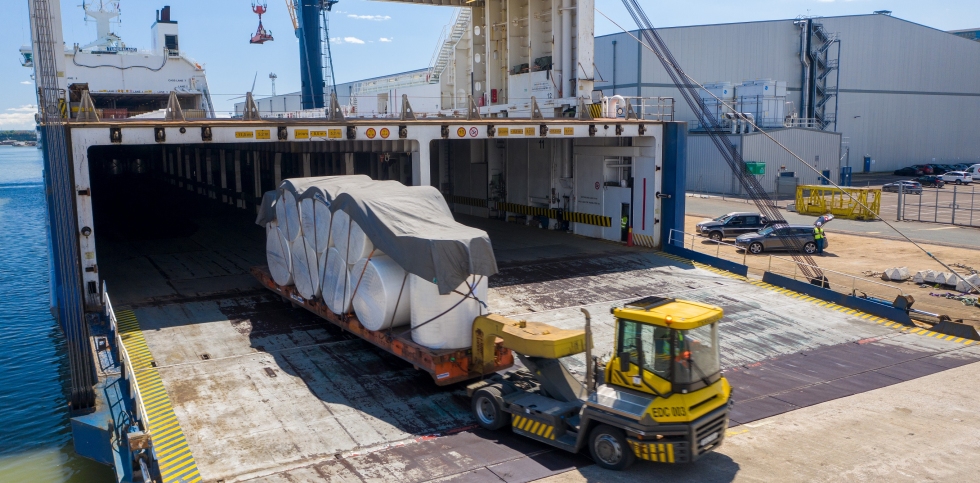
(127, 81)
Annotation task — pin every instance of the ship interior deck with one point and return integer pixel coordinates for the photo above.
(263, 390)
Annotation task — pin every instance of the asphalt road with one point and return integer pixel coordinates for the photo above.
(935, 233)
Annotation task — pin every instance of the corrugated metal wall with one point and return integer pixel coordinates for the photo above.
(707, 171)
(909, 93)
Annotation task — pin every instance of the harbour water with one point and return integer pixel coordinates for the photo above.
(35, 438)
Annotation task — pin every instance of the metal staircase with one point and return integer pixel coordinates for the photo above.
(826, 74)
(447, 43)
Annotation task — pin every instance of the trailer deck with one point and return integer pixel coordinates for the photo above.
(265, 390)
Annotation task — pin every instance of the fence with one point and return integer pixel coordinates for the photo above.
(955, 205)
(125, 361)
(787, 267)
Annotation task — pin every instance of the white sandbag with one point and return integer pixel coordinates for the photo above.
(946, 278)
(381, 298)
(314, 218)
(287, 215)
(453, 330)
(962, 286)
(899, 274)
(304, 267)
(930, 276)
(920, 276)
(277, 256)
(336, 288)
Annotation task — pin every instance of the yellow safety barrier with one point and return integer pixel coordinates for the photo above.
(862, 204)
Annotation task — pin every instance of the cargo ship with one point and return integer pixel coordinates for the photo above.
(190, 363)
(125, 81)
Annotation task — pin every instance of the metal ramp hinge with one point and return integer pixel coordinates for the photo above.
(535, 111)
(582, 111)
(630, 113)
(251, 112)
(335, 113)
(473, 114)
(174, 112)
(407, 112)
(86, 109)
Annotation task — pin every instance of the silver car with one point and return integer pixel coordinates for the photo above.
(771, 239)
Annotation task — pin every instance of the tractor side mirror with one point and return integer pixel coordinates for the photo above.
(624, 362)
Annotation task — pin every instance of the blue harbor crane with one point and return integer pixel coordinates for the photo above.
(312, 24)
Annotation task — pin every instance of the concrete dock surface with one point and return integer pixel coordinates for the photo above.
(921, 430)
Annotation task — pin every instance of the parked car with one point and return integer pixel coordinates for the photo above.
(781, 238)
(908, 171)
(958, 177)
(921, 169)
(911, 187)
(931, 180)
(732, 225)
(941, 168)
(974, 170)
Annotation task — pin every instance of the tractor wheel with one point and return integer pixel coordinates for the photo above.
(487, 410)
(609, 448)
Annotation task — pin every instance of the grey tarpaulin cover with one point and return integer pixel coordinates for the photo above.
(267, 210)
(413, 226)
(326, 186)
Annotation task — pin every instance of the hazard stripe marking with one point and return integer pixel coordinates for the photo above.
(174, 457)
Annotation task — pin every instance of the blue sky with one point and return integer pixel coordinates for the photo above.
(375, 38)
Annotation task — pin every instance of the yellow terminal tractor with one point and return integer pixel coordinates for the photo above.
(661, 398)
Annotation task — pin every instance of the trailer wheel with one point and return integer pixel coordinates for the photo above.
(609, 448)
(487, 410)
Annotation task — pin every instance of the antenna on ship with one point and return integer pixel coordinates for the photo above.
(261, 35)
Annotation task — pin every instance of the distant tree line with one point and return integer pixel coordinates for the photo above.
(18, 136)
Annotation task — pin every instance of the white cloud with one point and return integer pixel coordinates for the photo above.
(386, 39)
(346, 40)
(376, 18)
(18, 117)
(26, 83)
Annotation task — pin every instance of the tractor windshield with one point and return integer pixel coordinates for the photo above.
(696, 356)
(687, 358)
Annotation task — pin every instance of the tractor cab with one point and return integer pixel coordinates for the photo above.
(665, 346)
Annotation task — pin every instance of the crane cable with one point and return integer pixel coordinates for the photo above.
(788, 150)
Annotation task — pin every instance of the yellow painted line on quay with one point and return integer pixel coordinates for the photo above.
(174, 457)
(822, 303)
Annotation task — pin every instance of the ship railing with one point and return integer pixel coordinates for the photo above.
(125, 361)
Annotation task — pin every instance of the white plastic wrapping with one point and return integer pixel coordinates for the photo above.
(898, 274)
(962, 286)
(336, 288)
(277, 256)
(453, 330)
(946, 278)
(338, 233)
(349, 239)
(314, 217)
(304, 267)
(380, 301)
(920, 276)
(287, 215)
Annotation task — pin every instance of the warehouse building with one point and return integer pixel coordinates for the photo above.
(898, 93)
(872, 92)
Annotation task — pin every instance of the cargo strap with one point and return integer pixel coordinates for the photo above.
(450, 309)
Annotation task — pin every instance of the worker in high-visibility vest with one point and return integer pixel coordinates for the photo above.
(819, 237)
